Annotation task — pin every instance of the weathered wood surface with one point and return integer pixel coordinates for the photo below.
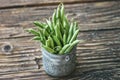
(18, 3)
(91, 16)
(98, 58)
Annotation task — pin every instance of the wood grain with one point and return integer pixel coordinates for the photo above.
(98, 57)
(90, 16)
(4, 4)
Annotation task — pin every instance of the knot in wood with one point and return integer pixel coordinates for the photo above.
(7, 48)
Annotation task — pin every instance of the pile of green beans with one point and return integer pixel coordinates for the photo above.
(57, 35)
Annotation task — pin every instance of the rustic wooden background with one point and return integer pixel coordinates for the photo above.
(98, 58)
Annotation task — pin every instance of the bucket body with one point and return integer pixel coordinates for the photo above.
(59, 65)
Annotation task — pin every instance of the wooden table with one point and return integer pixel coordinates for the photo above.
(98, 58)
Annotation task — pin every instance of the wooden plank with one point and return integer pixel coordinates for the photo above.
(19, 3)
(38, 75)
(23, 54)
(90, 16)
(97, 58)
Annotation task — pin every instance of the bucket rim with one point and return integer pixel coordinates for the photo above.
(44, 51)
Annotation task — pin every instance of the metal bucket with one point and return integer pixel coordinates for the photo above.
(59, 65)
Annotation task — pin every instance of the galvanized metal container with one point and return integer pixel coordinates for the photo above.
(59, 65)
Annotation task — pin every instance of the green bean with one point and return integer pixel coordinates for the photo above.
(75, 26)
(51, 42)
(58, 33)
(48, 49)
(57, 41)
(71, 46)
(48, 43)
(57, 49)
(64, 38)
(66, 24)
(66, 20)
(40, 25)
(42, 36)
(61, 28)
(70, 33)
(54, 17)
(49, 24)
(47, 28)
(58, 12)
(74, 36)
(33, 32)
(62, 11)
(45, 32)
(37, 38)
(62, 51)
